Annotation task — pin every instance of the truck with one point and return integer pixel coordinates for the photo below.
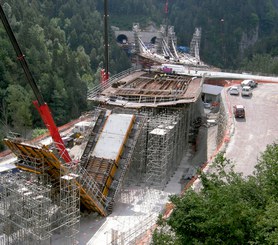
(175, 69)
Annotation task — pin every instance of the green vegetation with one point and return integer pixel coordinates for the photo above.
(63, 45)
(230, 209)
(38, 132)
(233, 33)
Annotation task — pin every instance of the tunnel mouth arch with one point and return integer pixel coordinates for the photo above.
(122, 39)
(153, 40)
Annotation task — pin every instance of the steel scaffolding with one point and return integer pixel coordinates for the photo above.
(33, 207)
(70, 206)
(160, 147)
(137, 170)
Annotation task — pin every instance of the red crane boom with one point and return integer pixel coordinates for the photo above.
(40, 104)
(166, 7)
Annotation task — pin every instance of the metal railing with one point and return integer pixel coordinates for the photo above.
(91, 188)
(134, 234)
(100, 87)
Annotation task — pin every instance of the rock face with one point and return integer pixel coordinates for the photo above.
(248, 39)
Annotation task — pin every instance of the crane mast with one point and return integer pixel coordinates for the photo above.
(105, 71)
(40, 104)
(166, 9)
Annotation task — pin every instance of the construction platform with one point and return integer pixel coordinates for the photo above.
(148, 89)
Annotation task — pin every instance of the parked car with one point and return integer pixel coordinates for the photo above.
(250, 83)
(239, 111)
(234, 90)
(246, 91)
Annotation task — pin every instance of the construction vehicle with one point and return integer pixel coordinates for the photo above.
(40, 104)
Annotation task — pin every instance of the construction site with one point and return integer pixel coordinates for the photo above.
(139, 133)
(106, 178)
(142, 145)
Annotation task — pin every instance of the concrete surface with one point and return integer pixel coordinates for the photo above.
(257, 130)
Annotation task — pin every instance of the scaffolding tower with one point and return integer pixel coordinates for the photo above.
(34, 207)
(195, 43)
(70, 206)
(161, 146)
(136, 30)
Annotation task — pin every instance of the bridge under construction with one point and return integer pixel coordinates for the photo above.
(139, 133)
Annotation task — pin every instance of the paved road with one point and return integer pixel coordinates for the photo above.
(251, 135)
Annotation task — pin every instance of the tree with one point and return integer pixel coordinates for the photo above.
(4, 116)
(19, 103)
(229, 209)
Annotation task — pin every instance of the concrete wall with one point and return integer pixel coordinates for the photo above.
(146, 37)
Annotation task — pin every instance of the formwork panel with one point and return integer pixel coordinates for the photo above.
(113, 136)
(54, 167)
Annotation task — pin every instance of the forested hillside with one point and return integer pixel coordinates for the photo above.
(234, 33)
(231, 30)
(63, 44)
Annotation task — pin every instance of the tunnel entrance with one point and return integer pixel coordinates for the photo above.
(122, 39)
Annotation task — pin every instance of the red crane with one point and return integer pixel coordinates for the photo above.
(166, 7)
(40, 104)
(105, 72)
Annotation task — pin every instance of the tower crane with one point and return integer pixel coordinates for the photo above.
(39, 103)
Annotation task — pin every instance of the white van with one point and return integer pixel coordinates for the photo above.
(249, 83)
(246, 91)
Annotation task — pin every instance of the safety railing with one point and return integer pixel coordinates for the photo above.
(101, 87)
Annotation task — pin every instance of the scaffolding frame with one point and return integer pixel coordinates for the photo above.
(70, 206)
(33, 206)
(159, 166)
(160, 147)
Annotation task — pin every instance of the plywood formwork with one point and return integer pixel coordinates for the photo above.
(113, 136)
(103, 171)
(105, 157)
(148, 89)
(155, 88)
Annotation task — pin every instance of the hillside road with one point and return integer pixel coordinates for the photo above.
(252, 134)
